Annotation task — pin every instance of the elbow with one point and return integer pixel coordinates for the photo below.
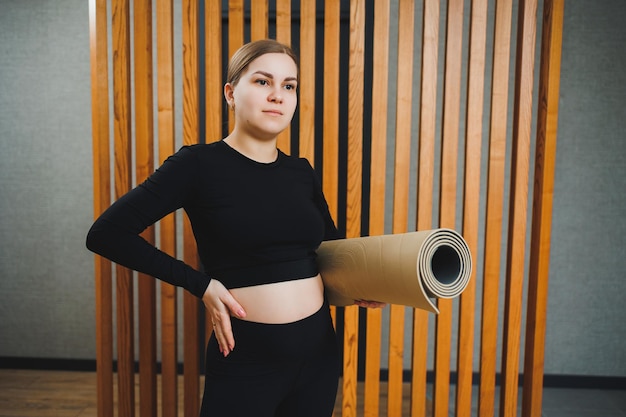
(94, 238)
(91, 240)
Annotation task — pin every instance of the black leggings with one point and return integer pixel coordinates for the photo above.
(275, 370)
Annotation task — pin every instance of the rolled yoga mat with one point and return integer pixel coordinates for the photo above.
(405, 269)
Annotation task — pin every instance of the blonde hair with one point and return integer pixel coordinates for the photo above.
(251, 51)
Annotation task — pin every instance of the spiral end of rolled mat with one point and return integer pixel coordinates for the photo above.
(444, 264)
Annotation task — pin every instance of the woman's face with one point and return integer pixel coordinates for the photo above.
(265, 96)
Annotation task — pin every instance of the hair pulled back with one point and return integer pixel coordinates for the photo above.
(251, 51)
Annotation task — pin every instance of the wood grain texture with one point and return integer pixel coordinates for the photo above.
(258, 19)
(543, 192)
(354, 192)
(283, 34)
(166, 129)
(402, 168)
(471, 201)
(98, 46)
(378, 169)
(306, 84)
(330, 154)
(447, 191)
(123, 182)
(494, 207)
(214, 96)
(144, 166)
(425, 180)
(330, 115)
(235, 36)
(75, 394)
(191, 135)
(518, 203)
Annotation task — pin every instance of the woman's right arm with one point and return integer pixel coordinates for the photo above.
(116, 233)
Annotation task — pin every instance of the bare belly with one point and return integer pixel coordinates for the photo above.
(282, 302)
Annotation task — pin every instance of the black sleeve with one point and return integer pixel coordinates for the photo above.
(330, 229)
(116, 233)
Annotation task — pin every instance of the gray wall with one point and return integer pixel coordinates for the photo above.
(46, 275)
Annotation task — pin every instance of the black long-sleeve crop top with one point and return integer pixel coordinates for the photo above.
(254, 223)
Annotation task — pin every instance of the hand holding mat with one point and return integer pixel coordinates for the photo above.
(404, 269)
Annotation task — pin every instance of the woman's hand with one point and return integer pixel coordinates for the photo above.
(369, 304)
(221, 305)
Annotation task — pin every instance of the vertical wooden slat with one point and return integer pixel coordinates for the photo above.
(330, 157)
(545, 151)
(258, 19)
(402, 168)
(378, 169)
(380, 79)
(191, 97)
(214, 97)
(448, 195)
(144, 157)
(520, 156)
(494, 207)
(428, 112)
(235, 35)
(165, 83)
(354, 192)
(235, 25)
(169, 329)
(102, 191)
(191, 350)
(123, 183)
(307, 80)
(355, 117)
(330, 129)
(471, 200)
(283, 34)
(191, 133)
(283, 21)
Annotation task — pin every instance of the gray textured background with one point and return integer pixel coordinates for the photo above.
(46, 274)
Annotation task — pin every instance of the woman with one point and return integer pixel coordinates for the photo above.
(258, 216)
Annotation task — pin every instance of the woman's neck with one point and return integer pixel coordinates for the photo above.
(257, 150)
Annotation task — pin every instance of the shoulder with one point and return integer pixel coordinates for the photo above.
(200, 154)
(201, 150)
(296, 162)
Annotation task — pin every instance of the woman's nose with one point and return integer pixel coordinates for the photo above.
(275, 96)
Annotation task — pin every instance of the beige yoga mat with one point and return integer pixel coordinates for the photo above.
(407, 269)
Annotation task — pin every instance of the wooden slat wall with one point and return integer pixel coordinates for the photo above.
(445, 109)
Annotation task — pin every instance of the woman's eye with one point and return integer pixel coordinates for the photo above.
(262, 82)
(290, 87)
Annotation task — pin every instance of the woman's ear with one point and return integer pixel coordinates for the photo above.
(229, 95)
